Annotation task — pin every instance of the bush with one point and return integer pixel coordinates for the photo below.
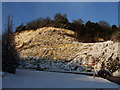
(21, 28)
(39, 23)
(60, 21)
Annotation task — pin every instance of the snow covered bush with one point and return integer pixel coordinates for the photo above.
(51, 65)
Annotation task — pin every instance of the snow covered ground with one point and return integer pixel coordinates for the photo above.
(0, 82)
(42, 79)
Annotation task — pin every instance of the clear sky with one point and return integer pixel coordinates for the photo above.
(93, 11)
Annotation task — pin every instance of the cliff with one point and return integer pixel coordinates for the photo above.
(60, 44)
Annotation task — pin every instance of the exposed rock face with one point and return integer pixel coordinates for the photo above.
(60, 44)
(48, 42)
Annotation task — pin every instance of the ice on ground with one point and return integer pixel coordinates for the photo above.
(42, 79)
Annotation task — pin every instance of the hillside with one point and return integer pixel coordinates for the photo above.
(60, 44)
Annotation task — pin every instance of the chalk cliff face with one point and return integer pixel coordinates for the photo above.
(61, 44)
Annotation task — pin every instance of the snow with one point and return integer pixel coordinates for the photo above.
(117, 73)
(52, 65)
(42, 79)
(1, 74)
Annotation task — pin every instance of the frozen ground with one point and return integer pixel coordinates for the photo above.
(42, 79)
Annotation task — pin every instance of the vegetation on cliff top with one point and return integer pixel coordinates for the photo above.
(85, 32)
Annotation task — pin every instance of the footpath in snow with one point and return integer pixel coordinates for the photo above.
(42, 79)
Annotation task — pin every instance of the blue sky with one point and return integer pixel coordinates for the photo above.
(93, 11)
